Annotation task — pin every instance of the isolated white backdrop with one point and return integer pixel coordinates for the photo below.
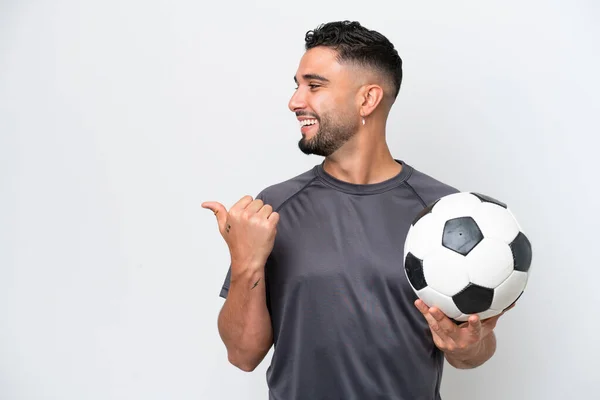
(118, 118)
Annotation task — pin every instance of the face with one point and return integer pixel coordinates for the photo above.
(324, 102)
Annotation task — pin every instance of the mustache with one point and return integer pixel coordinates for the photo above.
(306, 114)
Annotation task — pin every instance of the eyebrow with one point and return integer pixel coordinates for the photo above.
(312, 76)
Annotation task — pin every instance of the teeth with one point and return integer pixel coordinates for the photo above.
(308, 122)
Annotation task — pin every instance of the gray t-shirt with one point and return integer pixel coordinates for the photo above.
(344, 323)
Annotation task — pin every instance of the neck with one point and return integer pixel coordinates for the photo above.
(365, 159)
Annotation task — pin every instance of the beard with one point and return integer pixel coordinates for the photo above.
(330, 136)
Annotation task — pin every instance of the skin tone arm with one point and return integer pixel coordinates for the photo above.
(244, 324)
(465, 346)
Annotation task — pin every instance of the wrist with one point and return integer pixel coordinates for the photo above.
(248, 271)
(469, 352)
(474, 355)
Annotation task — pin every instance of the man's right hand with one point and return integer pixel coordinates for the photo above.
(249, 229)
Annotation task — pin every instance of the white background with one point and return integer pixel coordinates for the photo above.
(118, 118)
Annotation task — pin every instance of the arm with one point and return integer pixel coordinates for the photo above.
(244, 322)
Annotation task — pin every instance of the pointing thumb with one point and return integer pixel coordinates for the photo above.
(219, 210)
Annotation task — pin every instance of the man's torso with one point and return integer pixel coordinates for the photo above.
(344, 322)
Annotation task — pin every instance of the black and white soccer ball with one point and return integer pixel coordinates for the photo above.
(466, 254)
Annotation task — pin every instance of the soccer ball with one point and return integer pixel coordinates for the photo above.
(466, 254)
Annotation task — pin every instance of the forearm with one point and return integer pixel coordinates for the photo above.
(244, 321)
(473, 357)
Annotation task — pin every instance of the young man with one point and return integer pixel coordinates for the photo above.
(316, 261)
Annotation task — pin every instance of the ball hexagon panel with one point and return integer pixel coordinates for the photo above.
(461, 318)
(489, 313)
(425, 236)
(483, 315)
(521, 251)
(490, 263)
(496, 222)
(509, 290)
(432, 298)
(445, 271)
(517, 299)
(455, 205)
(473, 299)
(461, 235)
(515, 218)
(488, 199)
(414, 271)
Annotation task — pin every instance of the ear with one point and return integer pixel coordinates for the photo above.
(369, 97)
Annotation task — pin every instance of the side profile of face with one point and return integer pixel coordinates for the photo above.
(324, 102)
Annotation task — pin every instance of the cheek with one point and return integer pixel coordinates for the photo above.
(346, 105)
(334, 106)
(321, 104)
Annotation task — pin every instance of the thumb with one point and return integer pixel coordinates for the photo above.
(219, 210)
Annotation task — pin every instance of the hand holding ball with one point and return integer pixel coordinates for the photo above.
(467, 254)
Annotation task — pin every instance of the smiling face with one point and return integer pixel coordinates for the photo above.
(325, 102)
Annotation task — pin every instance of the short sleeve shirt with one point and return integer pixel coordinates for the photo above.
(344, 322)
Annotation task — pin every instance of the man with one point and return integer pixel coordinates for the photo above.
(316, 261)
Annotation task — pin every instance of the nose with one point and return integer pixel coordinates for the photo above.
(297, 102)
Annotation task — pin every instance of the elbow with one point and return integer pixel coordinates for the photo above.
(246, 364)
(247, 368)
(249, 358)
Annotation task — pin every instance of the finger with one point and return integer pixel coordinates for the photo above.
(274, 217)
(475, 326)
(449, 327)
(265, 211)
(254, 206)
(219, 210)
(439, 342)
(214, 206)
(241, 204)
(433, 323)
(421, 306)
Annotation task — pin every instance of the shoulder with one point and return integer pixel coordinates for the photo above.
(427, 187)
(277, 194)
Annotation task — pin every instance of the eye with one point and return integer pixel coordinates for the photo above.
(313, 86)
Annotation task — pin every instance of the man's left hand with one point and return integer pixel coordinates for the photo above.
(455, 339)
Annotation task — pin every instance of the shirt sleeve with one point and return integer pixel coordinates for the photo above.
(225, 287)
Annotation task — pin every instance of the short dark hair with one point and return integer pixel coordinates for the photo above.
(355, 43)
